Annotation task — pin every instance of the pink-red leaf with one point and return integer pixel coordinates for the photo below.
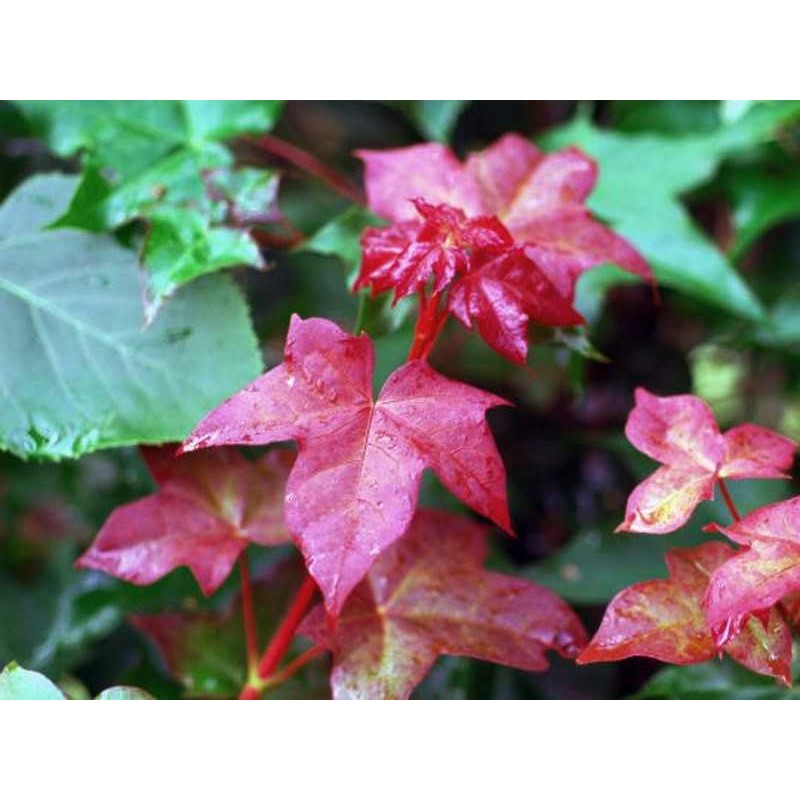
(664, 619)
(208, 508)
(766, 571)
(428, 595)
(756, 452)
(354, 487)
(539, 198)
(681, 433)
(502, 296)
(406, 255)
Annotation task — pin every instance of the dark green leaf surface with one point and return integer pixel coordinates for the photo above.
(762, 198)
(78, 370)
(713, 680)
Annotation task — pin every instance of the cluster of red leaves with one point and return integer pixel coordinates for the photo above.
(716, 598)
(350, 494)
(497, 241)
(507, 232)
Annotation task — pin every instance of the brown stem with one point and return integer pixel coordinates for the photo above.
(285, 632)
(293, 666)
(308, 163)
(726, 496)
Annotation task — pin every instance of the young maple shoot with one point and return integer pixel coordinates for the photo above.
(716, 599)
(507, 231)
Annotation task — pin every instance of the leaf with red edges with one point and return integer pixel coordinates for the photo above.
(664, 619)
(406, 255)
(502, 296)
(354, 487)
(681, 433)
(539, 198)
(207, 509)
(428, 595)
(765, 572)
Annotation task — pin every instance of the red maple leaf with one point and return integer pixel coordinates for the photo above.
(765, 572)
(502, 296)
(428, 595)
(207, 509)
(441, 245)
(539, 198)
(681, 433)
(664, 619)
(354, 487)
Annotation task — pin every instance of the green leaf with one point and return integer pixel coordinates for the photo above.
(341, 237)
(36, 204)
(669, 117)
(17, 683)
(182, 245)
(437, 119)
(124, 693)
(713, 680)
(642, 178)
(595, 564)
(127, 134)
(783, 326)
(78, 370)
(151, 160)
(762, 197)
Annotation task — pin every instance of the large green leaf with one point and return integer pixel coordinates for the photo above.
(17, 683)
(78, 370)
(150, 159)
(642, 178)
(36, 204)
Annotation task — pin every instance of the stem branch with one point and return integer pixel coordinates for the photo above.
(726, 496)
(248, 614)
(308, 163)
(284, 634)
